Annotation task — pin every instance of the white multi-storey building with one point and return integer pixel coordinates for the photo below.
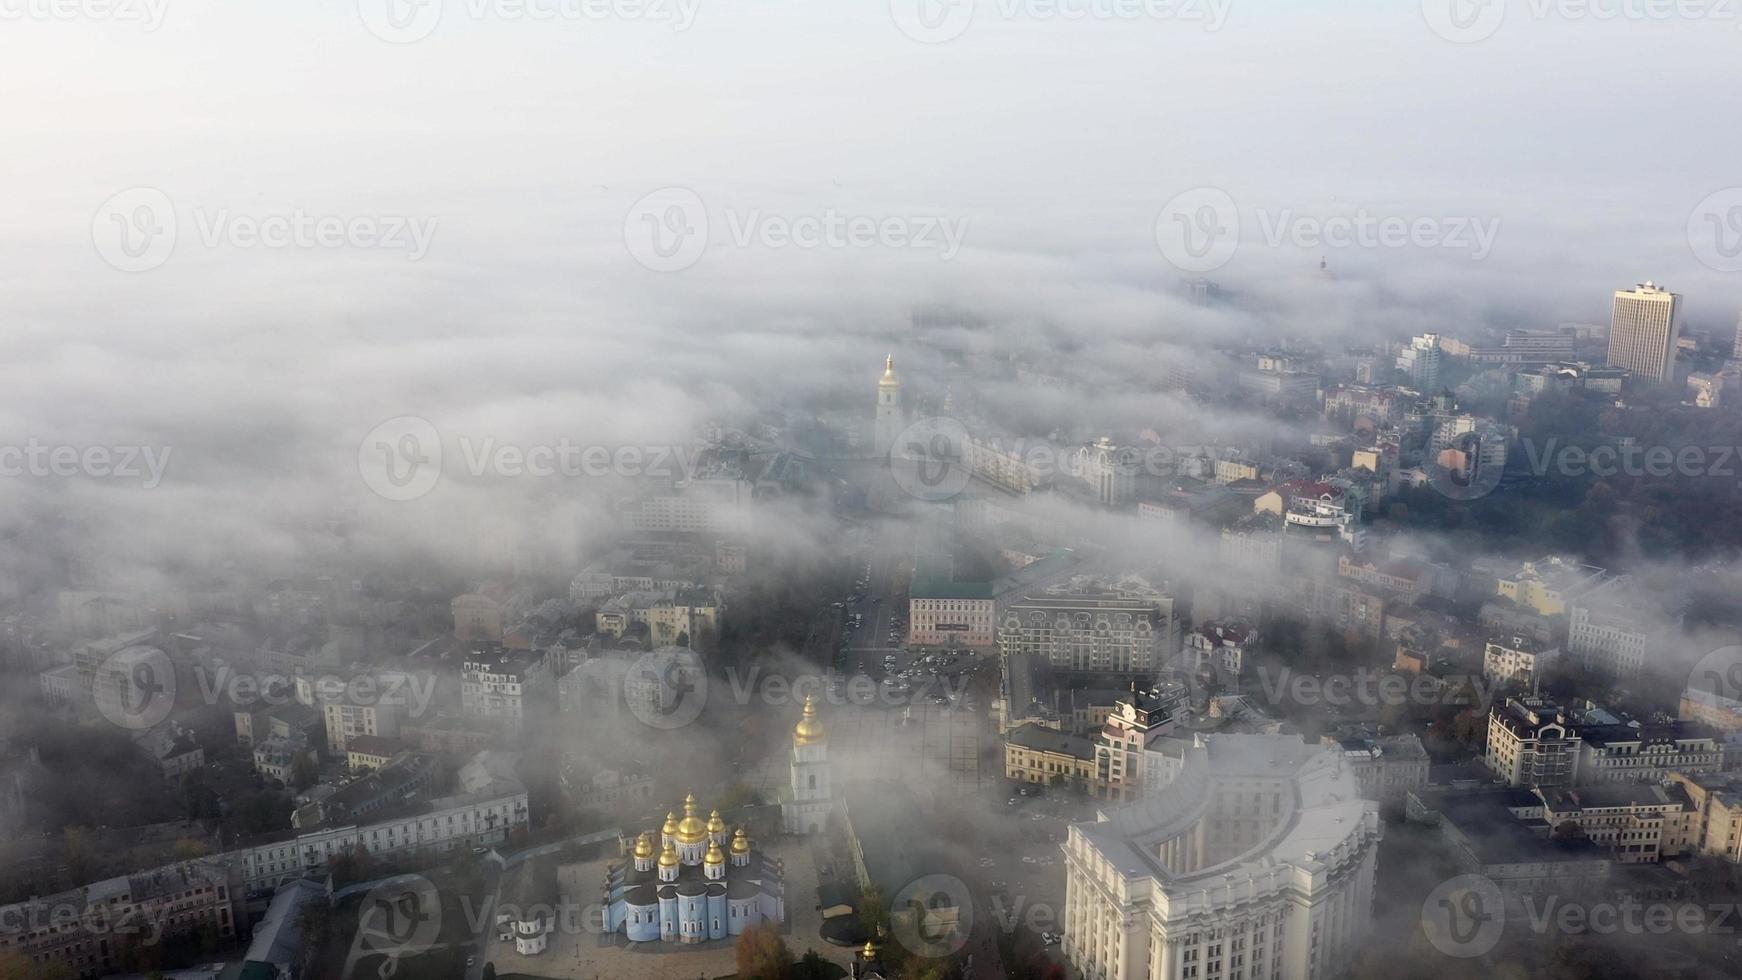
(1517, 660)
(1113, 630)
(496, 684)
(1421, 360)
(1257, 863)
(491, 802)
(1110, 471)
(1532, 742)
(1644, 330)
(1613, 628)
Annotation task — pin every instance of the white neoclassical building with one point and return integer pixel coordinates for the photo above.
(1256, 864)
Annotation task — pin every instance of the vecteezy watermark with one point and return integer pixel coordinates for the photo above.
(563, 917)
(1464, 916)
(146, 464)
(1470, 21)
(398, 919)
(410, 690)
(1470, 464)
(1368, 687)
(1199, 230)
(409, 21)
(937, 21)
(932, 916)
(1464, 21)
(1715, 230)
(1467, 916)
(932, 459)
(670, 229)
(136, 230)
(1718, 674)
(143, 924)
(147, 13)
(403, 458)
(135, 688)
(1632, 459)
(666, 688)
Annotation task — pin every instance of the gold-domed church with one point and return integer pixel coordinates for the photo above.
(805, 805)
(694, 884)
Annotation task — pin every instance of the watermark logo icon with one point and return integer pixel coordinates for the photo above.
(1468, 468)
(135, 230)
(667, 230)
(401, 459)
(930, 459)
(666, 689)
(1464, 21)
(1199, 229)
(398, 919)
(135, 688)
(1464, 917)
(1715, 230)
(932, 21)
(400, 21)
(1719, 673)
(932, 916)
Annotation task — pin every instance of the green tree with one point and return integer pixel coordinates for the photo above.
(303, 772)
(811, 966)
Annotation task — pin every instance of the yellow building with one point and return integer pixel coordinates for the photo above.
(1549, 585)
(1717, 800)
(1033, 754)
(670, 617)
(370, 751)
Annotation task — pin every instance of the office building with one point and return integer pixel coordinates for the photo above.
(1258, 862)
(1644, 331)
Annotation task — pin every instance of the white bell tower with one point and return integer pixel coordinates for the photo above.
(888, 408)
(806, 811)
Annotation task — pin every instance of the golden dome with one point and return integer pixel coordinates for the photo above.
(668, 857)
(740, 843)
(870, 950)
(714, 855)
(809, 729)
(670, 825)
(691, 830)
(644, 846)
(715, 824)
(888, 372)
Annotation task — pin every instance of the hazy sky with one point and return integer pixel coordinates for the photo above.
(521, 146)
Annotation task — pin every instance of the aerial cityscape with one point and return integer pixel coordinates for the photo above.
(896, 490)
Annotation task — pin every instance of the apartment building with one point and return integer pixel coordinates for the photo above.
(1093, 628)
(1550, 585)
(85, 930)
(490, 801)
(1139, 719)
(1641, 753)
(1386, 767)
(1532, 742)
(1635, 824)
(1616, 628)
(1033, 754)
(1518, 660)
(497, 685)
